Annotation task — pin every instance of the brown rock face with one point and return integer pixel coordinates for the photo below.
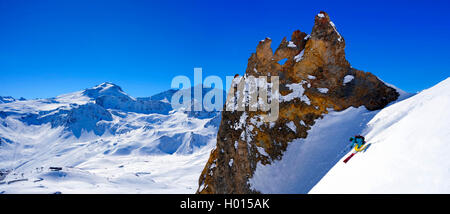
(318, 63)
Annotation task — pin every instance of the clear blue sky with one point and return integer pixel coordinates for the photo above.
(49, 48)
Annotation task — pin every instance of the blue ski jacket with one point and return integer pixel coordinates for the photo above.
(357, 141)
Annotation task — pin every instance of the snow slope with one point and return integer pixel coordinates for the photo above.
(409, 152)
(106, 142)
(306, 161)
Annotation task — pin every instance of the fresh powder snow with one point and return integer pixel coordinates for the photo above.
(348, 78)
(299, 57)
(291, 45)
(408, 153)
(297, 92)
(292, 126)
(323, 90)
(230, 163)
(307, 160)
(335, 30)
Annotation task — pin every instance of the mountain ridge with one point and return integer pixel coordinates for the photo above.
(105, 141)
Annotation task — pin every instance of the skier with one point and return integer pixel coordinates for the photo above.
(357, 143)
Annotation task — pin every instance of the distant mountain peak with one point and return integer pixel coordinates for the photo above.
(107, 85)
(105, 89)
(9, 99)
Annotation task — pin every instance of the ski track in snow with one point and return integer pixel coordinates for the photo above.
(409, 151)
(307, 160)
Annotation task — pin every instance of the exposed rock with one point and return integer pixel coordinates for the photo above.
(315, 63)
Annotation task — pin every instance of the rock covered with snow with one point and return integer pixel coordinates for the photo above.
(311, 85)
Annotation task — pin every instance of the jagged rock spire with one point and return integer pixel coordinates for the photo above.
(317, 65)
(324, 29)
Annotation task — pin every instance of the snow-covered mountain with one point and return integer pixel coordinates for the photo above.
(410, 141)
(105, 141)
(8, 99)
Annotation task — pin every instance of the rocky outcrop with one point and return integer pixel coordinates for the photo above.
(316, 64)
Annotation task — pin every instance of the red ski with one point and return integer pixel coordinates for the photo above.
(348, 158)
